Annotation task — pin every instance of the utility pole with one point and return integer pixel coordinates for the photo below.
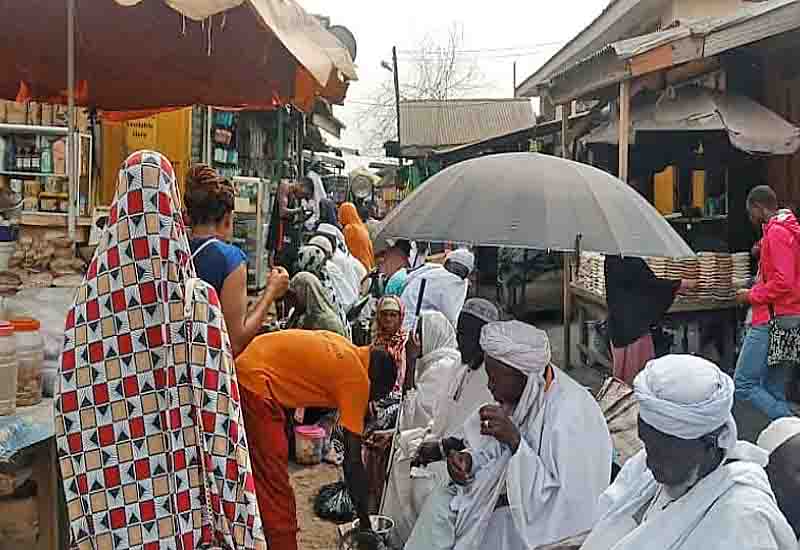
(396, 90)
(514, 92)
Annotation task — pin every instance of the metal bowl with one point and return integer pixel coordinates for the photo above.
(382, 525)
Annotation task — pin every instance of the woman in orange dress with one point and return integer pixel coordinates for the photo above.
(356, 235)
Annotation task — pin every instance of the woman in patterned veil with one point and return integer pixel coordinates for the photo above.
(149, 428)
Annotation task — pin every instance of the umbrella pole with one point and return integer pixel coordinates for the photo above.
(72, 146)
(567, 310)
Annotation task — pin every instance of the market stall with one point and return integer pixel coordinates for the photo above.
(703, 321)
(81, 56)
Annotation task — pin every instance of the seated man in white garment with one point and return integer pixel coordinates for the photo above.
(445, 288)
(530, 466)
(464, 391)
(781, 440)
(693, 486)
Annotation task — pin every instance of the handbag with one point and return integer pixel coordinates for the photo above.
(784, 342)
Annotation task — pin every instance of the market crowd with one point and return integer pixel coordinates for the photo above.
(175, 400)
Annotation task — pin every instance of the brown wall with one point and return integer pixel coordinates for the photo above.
(782, 95)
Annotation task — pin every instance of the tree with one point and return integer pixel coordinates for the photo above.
(434, 71)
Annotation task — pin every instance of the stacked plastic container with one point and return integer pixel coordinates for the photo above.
(8, 369)
(30, 356)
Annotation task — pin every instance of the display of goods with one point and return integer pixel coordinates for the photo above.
(68, 281)
(38, 261)
(718, 274)
(9, 278)
(39, 280)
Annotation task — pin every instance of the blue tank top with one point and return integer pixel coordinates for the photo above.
(216, 261)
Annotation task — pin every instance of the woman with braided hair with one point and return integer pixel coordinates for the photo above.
(209, 201)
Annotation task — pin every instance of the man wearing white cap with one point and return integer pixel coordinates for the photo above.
(781, 440)
(528, 468)
(445, 287)
(694, 485)
(464, 390)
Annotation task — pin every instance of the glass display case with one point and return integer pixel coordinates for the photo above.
(251, 225)
(33, 160)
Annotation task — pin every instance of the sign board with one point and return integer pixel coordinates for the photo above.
(142, 134)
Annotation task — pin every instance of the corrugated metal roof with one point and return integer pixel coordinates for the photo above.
(755, 23)
(440, 124)
(599, 30)
(747, 24)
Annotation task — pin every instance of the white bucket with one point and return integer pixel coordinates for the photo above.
(7, 250)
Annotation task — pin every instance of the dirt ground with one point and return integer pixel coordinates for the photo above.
(315, 534)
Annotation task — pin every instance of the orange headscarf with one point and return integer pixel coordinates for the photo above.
(356, 235)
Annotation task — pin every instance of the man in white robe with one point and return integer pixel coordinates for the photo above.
(693, 486)
(529, 467)
(461, 392)
(445, 288)
(781, 440)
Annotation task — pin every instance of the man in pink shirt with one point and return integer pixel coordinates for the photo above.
(776, 293)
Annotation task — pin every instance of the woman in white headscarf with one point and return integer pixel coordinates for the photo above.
(529, 468)
(346, 291)
(348, 264)
(437, 356)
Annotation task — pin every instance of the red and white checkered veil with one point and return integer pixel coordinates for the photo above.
(150, 435)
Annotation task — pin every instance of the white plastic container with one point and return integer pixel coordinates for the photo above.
(8, 369)
(30, 357)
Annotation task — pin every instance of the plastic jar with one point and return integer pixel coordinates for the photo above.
(8, 369)
(308, 441)
(30, 356)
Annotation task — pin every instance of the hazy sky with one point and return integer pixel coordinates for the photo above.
(496, 33)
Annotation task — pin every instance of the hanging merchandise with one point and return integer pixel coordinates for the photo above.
(225, 143)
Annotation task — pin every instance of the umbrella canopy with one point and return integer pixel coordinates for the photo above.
(151, 54)
(528, 200)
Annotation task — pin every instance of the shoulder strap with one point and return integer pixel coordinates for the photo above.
(203, 246)
(188, 297)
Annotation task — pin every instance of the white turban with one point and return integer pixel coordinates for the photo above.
(332, 231)
(687, 397)
(322, 242)
(462, 256)
(482, 309)
(518, 345)
(778, 433)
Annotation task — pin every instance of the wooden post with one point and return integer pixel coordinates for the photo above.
(624, 128)
(567, 310)
(565, 109)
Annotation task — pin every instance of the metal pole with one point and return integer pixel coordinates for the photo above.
(207, 150)
(396, 90)
(72, 145)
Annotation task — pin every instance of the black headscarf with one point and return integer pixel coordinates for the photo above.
(636, 298)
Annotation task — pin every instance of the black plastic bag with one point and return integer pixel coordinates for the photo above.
(333, 503)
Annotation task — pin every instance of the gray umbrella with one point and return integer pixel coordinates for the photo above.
(528, 200)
